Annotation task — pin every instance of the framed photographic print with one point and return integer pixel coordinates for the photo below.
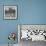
(32, 32)
(10, 12)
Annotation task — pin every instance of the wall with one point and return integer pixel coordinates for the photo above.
(7, 26)
(29, 12)
(33, 12)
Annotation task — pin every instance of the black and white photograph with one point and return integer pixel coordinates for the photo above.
(29, 35)
(10, 12)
